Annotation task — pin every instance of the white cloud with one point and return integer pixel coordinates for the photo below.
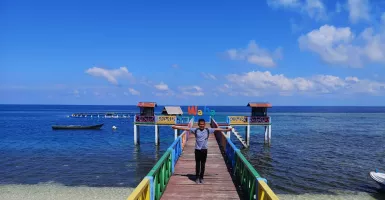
(192, 91)
(255, 55)
(161, 86)
(110, 75)
(358, 10)
(315, 9)
(258, 83)
(164, 90)
(284, 3)
(208, 76)
(341, 46)
(133, 91)
(76, 92)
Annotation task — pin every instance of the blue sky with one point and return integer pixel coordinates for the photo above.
(287, 52)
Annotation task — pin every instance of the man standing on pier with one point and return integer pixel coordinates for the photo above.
(201, 146)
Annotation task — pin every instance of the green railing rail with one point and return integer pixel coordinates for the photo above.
(154, 184)
(252, 184)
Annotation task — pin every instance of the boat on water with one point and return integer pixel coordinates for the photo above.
(379, 178)
(73, 127)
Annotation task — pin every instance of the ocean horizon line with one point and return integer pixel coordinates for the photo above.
(160, 105)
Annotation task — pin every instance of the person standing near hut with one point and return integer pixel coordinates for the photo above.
(201, 145)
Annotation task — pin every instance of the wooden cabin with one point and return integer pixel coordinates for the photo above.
(172, 110)
(259, 109)
(147, 108)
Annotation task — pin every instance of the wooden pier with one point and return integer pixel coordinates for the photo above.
(228, 174)
(218, 182)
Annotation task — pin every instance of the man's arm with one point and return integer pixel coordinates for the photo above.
(185, 128)
(222, 129)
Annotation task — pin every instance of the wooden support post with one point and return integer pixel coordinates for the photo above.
(248, 135)
(266, 133)
(175, 134)
(156, 134)
(228, 134)
(269, 135)
(136, 134)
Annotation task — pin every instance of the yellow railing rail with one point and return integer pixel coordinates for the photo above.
(264, 191)
(142, 191)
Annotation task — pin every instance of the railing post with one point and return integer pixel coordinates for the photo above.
(152, 197)
(257, 186)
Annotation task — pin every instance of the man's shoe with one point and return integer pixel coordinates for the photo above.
(202, 181)
(197, 181)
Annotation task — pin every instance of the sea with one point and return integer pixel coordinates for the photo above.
(315, 152)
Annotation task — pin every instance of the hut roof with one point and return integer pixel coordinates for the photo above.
(147, 104)
(259, 105)
(173, 110)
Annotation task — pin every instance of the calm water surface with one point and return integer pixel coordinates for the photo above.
(314, 151)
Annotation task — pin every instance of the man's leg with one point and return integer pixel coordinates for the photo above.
(203, 163)
(197, 164)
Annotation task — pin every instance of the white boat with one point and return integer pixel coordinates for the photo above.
(379, 178)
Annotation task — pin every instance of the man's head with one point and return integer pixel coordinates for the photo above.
(201, 123)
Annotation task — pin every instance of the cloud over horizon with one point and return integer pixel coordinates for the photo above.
(111, 75)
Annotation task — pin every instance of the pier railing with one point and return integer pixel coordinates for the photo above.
(246, 120)
(252, 184)
(154, 184)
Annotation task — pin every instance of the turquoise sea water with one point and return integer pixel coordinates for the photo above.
(315, 151)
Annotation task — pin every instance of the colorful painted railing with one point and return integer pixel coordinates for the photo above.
(139, 119)
(142, 191)
(245, 120)
(154, 184)
(252, 184)
(165, 119)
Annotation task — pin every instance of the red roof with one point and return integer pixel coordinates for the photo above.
(147, 104)
(259, 105)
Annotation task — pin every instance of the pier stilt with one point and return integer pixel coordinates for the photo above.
(136, 134)
(175, 134)
(228, 134)
(156, 135)
(266, 132)
(247, 135)
(269, 136)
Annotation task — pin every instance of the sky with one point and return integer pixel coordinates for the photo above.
(286, 52)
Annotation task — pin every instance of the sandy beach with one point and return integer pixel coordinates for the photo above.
(60, 192)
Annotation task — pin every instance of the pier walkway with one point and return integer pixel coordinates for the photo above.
(218, 182)
(228, 174)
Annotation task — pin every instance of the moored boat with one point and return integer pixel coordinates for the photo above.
(379, 178)
(72, 127)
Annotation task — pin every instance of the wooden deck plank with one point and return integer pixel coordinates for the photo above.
(218, 183)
